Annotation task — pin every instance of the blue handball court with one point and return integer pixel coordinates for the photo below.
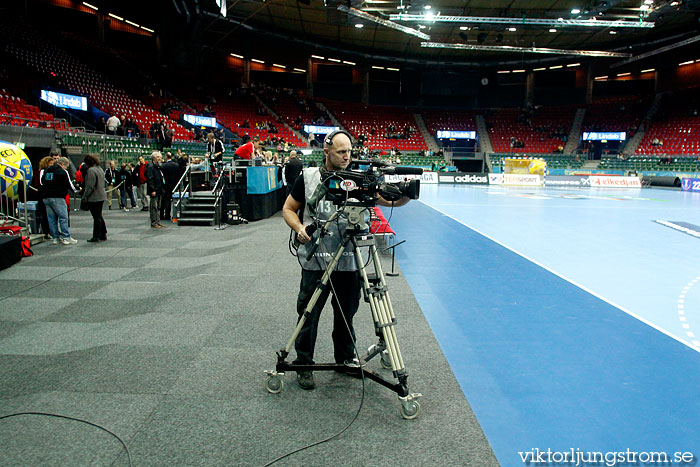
(570, 317)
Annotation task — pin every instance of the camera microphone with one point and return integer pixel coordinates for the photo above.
(404, 171)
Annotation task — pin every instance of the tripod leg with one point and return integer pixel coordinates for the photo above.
(317, 293)
(382, 313)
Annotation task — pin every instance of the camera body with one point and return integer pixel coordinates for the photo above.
(362, 181)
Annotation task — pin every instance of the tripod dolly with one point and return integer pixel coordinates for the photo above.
(375, 293)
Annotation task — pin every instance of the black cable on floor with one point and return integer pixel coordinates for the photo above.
(128, 454)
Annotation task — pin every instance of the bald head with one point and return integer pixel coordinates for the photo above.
(338, 151)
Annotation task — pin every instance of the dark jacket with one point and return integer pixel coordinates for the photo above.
(110, 176)
(155, 180)
(292, 169)
(55, 182)
(171, 173)
(124, 177)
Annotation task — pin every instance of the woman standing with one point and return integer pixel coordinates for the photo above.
(94, 194)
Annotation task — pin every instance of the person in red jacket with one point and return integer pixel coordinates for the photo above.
(249, 149)
(142, 189)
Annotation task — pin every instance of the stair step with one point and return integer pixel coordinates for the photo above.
(192, 205)
(197, 213)
(195, 220)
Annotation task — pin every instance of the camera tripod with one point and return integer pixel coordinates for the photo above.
(375, 293)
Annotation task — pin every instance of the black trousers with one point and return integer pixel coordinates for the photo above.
(165, 203)
(345, 302)
(99, 229)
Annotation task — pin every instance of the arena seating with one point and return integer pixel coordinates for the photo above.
(232, 112)
(449, 120)
(292, 107)
(71, 74)
(540, 130)
(675, 128)
(623, 113)
(15, 111)
(651, 163)
(376, 123)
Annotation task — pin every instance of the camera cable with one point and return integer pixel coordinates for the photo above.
(362, 374)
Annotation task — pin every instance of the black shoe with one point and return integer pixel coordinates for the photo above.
(306, 379)
(350, 368)
(93, 240)
(144, 209)
(104, 239)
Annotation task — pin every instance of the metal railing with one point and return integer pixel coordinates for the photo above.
(9, 206)
(181, 189)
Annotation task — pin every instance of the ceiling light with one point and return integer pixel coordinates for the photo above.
(132, 23)
(300, 70)
(556, 67)
(333, 60)
(672, 3)
(237, 56)
(518, 71)
(648, 70)
(378, 67)
(552, 30)
(349, 63)
(512, 29)
(392, 69)
(427, 7)
(575, 11)
(464, 28)
(624, 74)
(613, 32)
(116, 17)
(572, 65)
(256, 60)
(420, 26)
(685, 63)
(90, 6)
(539, 69)
(503, 71)
(430, 16)
(532, 50)
(146, 29)
(505, 20)
(601, 77)
(279, 66)
(359, 25)
(318, 57)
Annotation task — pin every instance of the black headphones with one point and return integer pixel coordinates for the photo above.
(329, 137)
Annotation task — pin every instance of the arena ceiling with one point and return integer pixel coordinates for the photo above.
(493, 24)
(497, 31)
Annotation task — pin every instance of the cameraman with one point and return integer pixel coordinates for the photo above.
(308, 193)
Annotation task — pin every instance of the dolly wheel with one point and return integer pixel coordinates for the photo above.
(274, 384)
(409, 409)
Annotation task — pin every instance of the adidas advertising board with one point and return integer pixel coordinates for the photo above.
(463, 178)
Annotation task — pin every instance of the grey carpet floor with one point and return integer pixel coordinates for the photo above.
(163, 336)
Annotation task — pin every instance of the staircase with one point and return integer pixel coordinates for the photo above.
(427, 137)
(575, 132)
(482, 132)
(590, 165)
(279, 120)
(199, 209)
(634, 142)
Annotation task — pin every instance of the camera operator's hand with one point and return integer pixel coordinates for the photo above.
(302, 236)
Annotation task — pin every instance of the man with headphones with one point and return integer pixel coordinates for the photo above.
(308, 193)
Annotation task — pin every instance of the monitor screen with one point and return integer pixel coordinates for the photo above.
(200, 120)
(320, 130)
(456, 134)
(66, 101)
(604, 135)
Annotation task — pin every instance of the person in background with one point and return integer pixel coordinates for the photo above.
(56, 187)
(156, 186)
(124, 182)
(110, 178)
(94, 194)
(171, 175)
(215, 151)
(142, 185)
